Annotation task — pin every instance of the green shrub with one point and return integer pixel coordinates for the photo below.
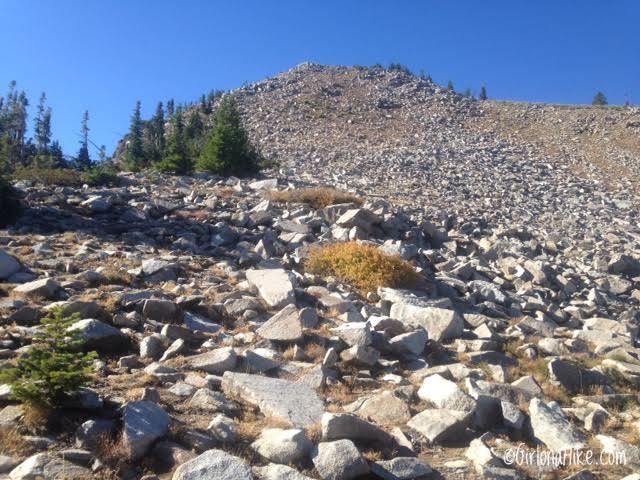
(9, 204)
(54, 368)
(365, 267)
(102, 175)
(64, 177)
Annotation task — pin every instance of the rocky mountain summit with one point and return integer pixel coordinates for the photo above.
(223, 355)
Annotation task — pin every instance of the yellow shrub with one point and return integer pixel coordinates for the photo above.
(317, 197)
(364, 266)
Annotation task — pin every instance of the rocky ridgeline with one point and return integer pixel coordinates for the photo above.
(401, 137)
(220, 357)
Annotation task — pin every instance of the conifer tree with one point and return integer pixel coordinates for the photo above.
(450, 86)
(176, 159)
(467, 93)
(156, 133)
(170, 108)
(42, 132)
(134, 153)
(599, 99)
(483, 93)
(227, 150)
(83, 160)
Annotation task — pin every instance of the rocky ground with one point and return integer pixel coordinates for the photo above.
(221, 357)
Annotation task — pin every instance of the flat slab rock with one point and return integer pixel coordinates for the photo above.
(439, 424)
(441, 324)
(551, 426)
(284, 326)
(274, 286)
(295, 403)
(214, 464)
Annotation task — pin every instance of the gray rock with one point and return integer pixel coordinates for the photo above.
(308, 317)
(159, 310)
(411, 343)
(152, 346)
(200, 323)
(210, 401)
(274, 471)
(358, 217)
(440, 425)
(620, 449)
(97, 204)
(99, 336)
(7, 463)
(213, 464)
(88, 434)
(8, 265)
(274, 286)
(223, 429)
(551, 426)
(282, 446)
(336, 426)
(215, 361)
(182, 389)
(401, 468)
(339, 460)
(178, 347)
(354, 333)
(441, 324)
(143, 423)
(574, 378)
(444, 393)
(45, 287)
(261, 360)
(284, 326)
(295, 403)
(47, 466)
(383, 408)
(362, 356)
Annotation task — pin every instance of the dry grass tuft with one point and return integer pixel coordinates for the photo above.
(288, 353)
(314, 432)
(111, 450)
(315, 352)
(373, 455)
(12, 443)
(251, 424)
(365, 267)
(113, 276)
(317, 197)
(557, 393)
(36, 418)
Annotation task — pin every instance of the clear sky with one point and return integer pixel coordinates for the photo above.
(103, 55)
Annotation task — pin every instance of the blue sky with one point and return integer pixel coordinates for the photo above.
(102, 56)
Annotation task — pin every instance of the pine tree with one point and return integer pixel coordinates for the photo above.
(599, 99)
(42, 128)
(483, 93)
(176, 159)
(42, 132)
(170, 108)
(450, 86)
(83, 160)
(134, 154)
(56, 155)
(467, 93)
(156, 134)
(194, 134)
(54, 368)
(227, 150)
